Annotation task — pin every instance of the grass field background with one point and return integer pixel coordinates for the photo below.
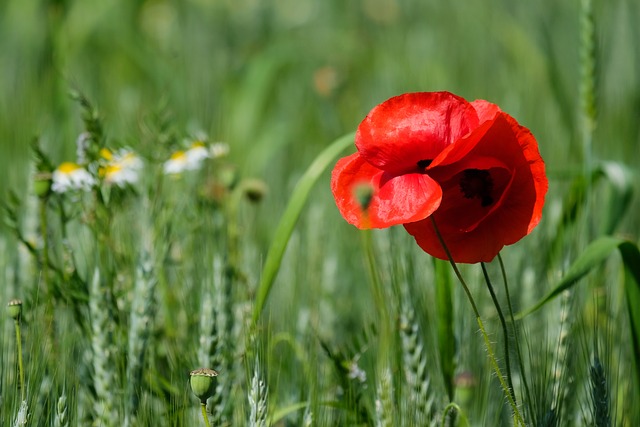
(278, 81)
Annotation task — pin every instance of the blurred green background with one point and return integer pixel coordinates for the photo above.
(279, 79)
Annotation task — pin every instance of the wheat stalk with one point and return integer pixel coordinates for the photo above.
(102, 357)
(142, 313)
(258, 397)
(421, 400)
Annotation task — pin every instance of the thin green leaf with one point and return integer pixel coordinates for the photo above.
(593, 255)
(446, 337)
(290, 217)
(279, 414)
(596, 253)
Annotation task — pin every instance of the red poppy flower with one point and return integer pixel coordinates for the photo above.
(468, 165)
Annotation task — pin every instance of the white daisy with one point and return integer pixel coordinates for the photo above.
(188, 160)
(71, 176)
(122, 167)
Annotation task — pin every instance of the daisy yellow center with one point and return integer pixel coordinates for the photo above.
(111, 169)
(105, 153)
(197, 144)
(68, 167)
(177, 155)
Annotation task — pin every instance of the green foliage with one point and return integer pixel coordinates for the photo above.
(194, 269)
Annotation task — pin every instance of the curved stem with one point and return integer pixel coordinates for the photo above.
(513, 325)
(455, 269)
(451, 406)
(505, 332)
(494, 363)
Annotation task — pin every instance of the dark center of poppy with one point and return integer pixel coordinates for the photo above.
(423, 164)
(476, 183)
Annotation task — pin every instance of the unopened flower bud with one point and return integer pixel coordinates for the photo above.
(254, 189)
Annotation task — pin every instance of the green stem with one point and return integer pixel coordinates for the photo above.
(20, 366)
(378, 295)
(455, 269)
(496, 368)
(45, 244)
(505, 332)
(513, 325)
(203, 405)
(451, 406)
(492, 358)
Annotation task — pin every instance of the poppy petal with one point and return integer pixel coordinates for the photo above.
(395, 199)
(402, 131)
(516, 213)
(485, 109)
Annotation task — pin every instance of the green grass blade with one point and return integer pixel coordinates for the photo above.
(593, 255)
(631, 257)
(596, 253)
(290, 217)
(446, 341)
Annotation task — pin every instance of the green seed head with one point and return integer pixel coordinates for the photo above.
(42, 184)
(15, 308)
(254, 189)
(203, 383)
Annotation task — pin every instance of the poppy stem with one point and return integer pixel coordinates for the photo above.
(494, 363)
(505, 332)
(455, 269)
(513, 325)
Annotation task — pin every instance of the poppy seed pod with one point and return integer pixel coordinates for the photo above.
(15, 309)
(202, 383)
(42, 184)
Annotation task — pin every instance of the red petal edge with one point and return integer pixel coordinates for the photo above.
(405, 129)
(396, 199)
(520, 210)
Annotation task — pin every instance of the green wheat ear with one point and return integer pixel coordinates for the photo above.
(421, 401)
(258, 398)
(385, 412)
(105, 406)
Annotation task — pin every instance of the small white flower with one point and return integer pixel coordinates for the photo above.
(196, 154)
(122, 168)
(355, 373)
(176, 164)
(188, 160)
(71, 176)
(219, 149)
